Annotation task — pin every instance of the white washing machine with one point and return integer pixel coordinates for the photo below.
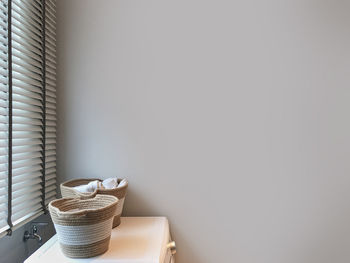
(135, 240)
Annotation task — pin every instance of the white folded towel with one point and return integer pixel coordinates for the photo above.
(90, 187)
(122, 183)
(109, 183)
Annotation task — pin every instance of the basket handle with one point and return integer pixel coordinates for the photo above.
(87, 196)
(78, 214)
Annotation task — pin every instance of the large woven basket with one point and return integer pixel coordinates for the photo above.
(67, 190)
(83, 225)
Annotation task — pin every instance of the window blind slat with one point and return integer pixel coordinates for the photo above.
(28, 176)
(30, 207)
(31, 93)
(26, 142)
(33, 190)
(3, 160)
(3, 88)
(3, 7)
(51, 129)
(51, 88)
(51, 52)
(52, 79)
(50, 176)
(50, 165)
(50, 187)
(24, 127)
(27, 36)
(28, 169)
(3, 191)
(19, 51)
(30, 7)
(25, 205)
(3, 32)
(20, 76)
(51, 94)
(26, 163)
(50, 153)
(3, 72)
(50, 10)
(26, 100)
(24, 11)
(26, 156)
(3, 55)
(27, 114)
(51, 28)
(30, 108)
(50, 83)
(27, 66)
(26, 19)
(3, 65)
(51, 159)
(51, 40)
(51, 181)
(53, 3)
(51, 117)
(51, 106)
(51, 112)
(51, 170)
(28, 183)
(27, 94)
(25, 149)
(50, 68)
(19, 55)
(3, 207)
(26, 72)
(18, 84)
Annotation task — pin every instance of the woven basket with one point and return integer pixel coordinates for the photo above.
(83, 225)
(67, 190)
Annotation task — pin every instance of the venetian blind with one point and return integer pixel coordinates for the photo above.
(4, 117)
(28, 134)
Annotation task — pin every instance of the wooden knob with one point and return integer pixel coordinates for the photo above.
(172, 246)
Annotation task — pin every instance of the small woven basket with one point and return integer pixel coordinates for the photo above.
(67, 190)
(83, 225)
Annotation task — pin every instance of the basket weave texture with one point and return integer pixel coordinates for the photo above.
(83, 225)
(68, 191)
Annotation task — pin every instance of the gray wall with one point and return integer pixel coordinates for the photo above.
(231, 118)
(14, 250)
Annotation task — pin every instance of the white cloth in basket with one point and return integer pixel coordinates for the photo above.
(109, 183)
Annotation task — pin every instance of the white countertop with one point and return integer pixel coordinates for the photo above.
(136, 240)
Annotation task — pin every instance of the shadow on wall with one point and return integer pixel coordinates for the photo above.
(14, 250)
